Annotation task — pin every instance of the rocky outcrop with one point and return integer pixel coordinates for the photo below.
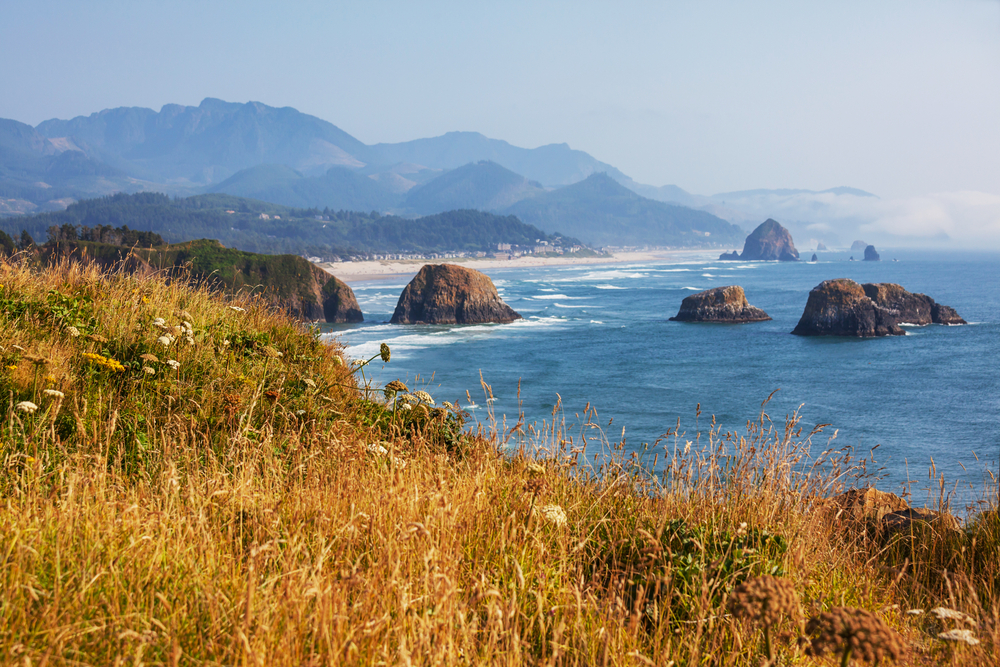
(770, 241)
(841, 308)
(871, 255)
(339, 303)
(858, 246)
(820, 246)
(910, 308)
(719, 304)
(885, 514)
(814, 258)
(451, 294)
(730, 256)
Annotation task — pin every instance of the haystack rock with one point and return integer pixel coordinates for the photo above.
(450, 294)
(820, 246)
(871, 255)
(769, 241)
(910, 308)
(858, 246)
(841, 308)
(814, 258)
(719, 304)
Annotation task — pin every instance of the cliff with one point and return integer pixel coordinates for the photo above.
(719, 304)
(841, 308)
(451, 294)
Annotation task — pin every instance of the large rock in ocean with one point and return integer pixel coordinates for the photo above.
(841, 308)
(451, 294)
(339, 303)
(858, 246)
(909, 307)
(871, 255)
(719, 304)
(770, 241)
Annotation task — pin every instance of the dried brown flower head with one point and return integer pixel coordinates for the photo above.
(857, 632)
(384, 352)
(765, 600)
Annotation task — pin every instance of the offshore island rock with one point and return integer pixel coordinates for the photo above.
(719, 304)
(451, 294)
(769, 241)
(871, 255)
(841, 308)
(339, 303)
(909, 307)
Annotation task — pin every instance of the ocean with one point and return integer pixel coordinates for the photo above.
(600, 334)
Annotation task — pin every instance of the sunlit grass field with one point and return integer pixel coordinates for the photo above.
(191, 478)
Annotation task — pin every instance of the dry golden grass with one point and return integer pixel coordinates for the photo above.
(231, 513)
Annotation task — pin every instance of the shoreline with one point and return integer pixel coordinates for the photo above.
(354, 272)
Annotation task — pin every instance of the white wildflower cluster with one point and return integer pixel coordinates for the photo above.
(173, 364)
(26, 406)
(171, 333)
(424, 397)
(554, 514)
(54, 393)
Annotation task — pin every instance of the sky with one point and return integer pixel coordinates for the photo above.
(899, 98)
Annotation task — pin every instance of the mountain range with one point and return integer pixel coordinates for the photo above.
(287, 157)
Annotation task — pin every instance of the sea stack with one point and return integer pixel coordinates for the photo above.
(858, 246)
(841, 308)
(909, 307)
(339, 303)
(871, 255)
(719, 304)
(770, 241)
(814, 258)
(451, 294)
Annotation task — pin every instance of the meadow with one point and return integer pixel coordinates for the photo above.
(190, 478)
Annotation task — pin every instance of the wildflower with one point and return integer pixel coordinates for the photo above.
(424, 396)
(54, 393)
(392, 388)
(300, 412)
(337, 360)
(964, 636)
(160, 323)
(914, 612)
(535, 468)
(376, 448)
(164, 341)
(447, 404)
(173, 364)
(189, 339)
(26, 406)
(553, 514)
(384, 352)
(145, 299)
(148, 371)
(12, 367)
(237, 309)
(853, 633)
(73, 332)
(406, 406)
(106, 362)
(271, 352)
(943, 613)
(51, 379)
(187, 326)
(35, 359)
(30, 459)
(149, 357)
(409, 399)
(765, 600)
(309, 383)
(176, 331)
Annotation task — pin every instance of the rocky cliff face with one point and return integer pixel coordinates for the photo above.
(720, 304)
(841, 308)
(451, 294)
(871, 255)
(339, 302)
(910, 308)
(770, 241)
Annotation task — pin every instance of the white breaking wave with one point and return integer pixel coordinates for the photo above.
(696, 289)
(608, 287)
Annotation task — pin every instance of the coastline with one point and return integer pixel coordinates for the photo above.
(352, 272)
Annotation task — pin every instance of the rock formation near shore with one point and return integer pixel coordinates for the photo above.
(909, 307)
(871, 255)
(339, 303)
(451, 294)
(770, 241)
(858, 246)
(841, 308)
(885, 514)
(719, 304)
(814, 258)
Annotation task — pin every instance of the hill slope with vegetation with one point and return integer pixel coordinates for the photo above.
(248, 497)
(261, 227)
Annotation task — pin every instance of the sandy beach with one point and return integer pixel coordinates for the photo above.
(390, 269)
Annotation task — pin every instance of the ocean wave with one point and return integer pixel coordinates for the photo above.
(696, 289)
(608, 287)
(558, 296)
(596, 322)
(707, 275)
(563, 305)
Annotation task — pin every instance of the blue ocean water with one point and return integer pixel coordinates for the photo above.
(600, 334)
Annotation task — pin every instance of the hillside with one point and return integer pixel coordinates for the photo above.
(600, 211)
(261, 227)
(338, 188)
(481, 185)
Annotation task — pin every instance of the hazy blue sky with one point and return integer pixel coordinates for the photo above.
(901, 98)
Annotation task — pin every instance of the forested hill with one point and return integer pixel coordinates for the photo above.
(257, 226)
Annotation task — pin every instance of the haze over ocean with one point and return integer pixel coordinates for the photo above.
(600, 334)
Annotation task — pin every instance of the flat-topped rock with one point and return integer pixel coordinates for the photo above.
(719, 304)
(841, 308)
(909, 307)
(770, 241)
(451, 294)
